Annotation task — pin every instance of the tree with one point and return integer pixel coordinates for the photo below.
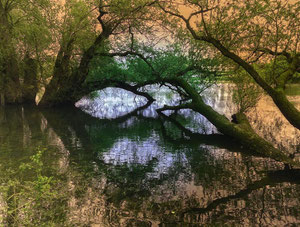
(24, 41)
(9, 68)
(76, 31)
(185, 72)
(248, 32)
(115, 17)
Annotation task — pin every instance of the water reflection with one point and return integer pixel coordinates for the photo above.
(115, 103)
(268, 121)
(139, 170)
(111, 103)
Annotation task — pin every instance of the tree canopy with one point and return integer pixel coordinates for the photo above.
(248, 32)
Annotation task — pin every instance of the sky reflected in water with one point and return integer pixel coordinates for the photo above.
(137, 169)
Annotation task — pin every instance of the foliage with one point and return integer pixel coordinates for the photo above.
(272, 70)
(31, 197)
(247, 33)
(156, 66)
(256, 31)
(78, 26)
(246, 92)
(39, 29)
(93, 95)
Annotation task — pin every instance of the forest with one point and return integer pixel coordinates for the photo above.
(54, 53)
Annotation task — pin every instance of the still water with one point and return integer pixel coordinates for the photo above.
(117, 163)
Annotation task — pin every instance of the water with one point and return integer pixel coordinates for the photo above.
(115, 166)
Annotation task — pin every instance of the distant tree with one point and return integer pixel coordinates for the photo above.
(9, 81)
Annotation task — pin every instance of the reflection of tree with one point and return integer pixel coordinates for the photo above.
(17, 126)
(93, 132)
(24, 191)
(272, 179)
(126, 187)
(152, 191)
(127, 194)
(190, 137)
(11, 123)
(269, 123)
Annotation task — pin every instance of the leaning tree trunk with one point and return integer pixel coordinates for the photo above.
(291, 113)
(65, 86)
(55, 90)
(241, 132)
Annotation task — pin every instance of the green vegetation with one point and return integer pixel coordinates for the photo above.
(292, 89)
(246, 92)
(246, 33)
(31, 196)
(75, 48)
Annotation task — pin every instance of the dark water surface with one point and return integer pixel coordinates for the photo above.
(121, 167)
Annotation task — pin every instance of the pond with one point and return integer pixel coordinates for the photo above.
(114, 165)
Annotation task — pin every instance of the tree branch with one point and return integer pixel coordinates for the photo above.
(199, 12)
(126, 53)
(99, 85)
(249, 68)
(274, 53)
(179, 107)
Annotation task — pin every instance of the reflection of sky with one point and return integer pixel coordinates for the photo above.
(132, 152)
(111, 103)
(115, 102)
(219, 97)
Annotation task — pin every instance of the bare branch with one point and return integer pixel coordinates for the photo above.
(187, 21)
(257, 58)
(179, 90)
(200, 12)
(132, 38)
(275, 53)
(99, 85)
(179, 107)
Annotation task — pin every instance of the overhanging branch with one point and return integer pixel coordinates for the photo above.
(126, 53)
(178, 107)
(99, 85)
(274, 53)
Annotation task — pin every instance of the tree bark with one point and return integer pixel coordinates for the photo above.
(30, 85)
(65, 86)
(277, 94)
(242, 132)
(60, 82)
(2, 99)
